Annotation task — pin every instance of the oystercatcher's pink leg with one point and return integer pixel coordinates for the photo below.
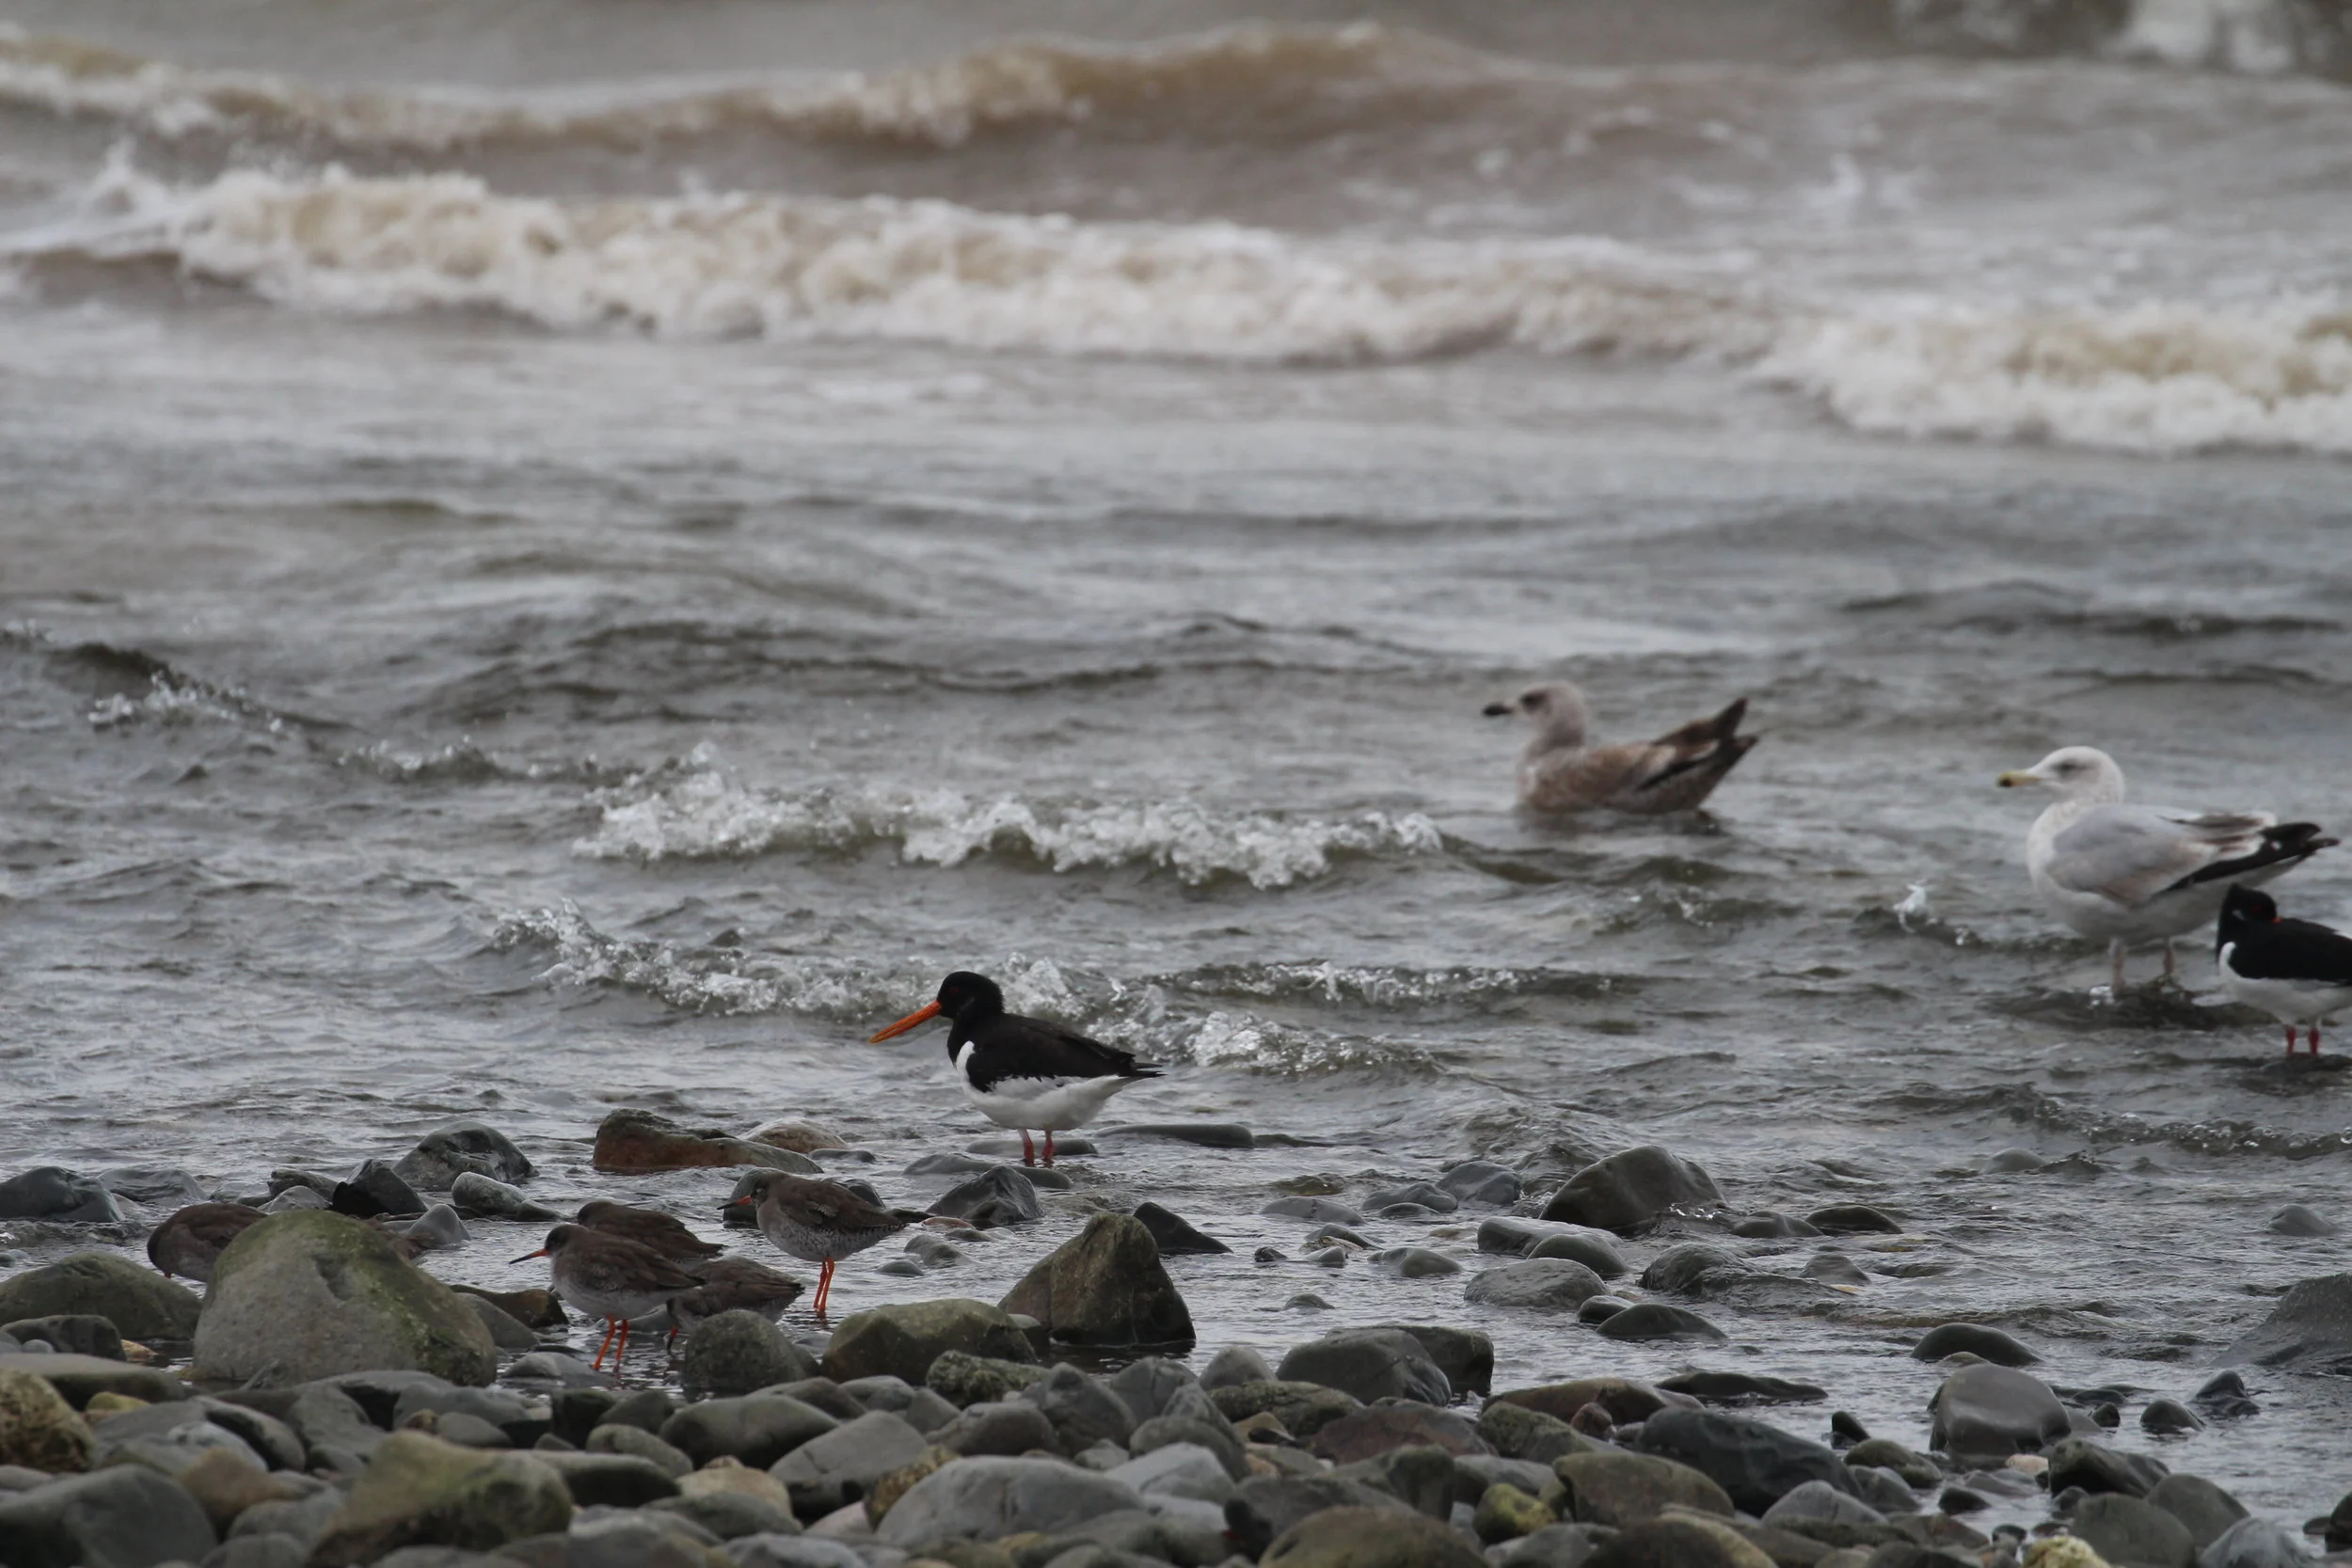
(1049, 1146)
(2314, 1038)
(1028, 1149)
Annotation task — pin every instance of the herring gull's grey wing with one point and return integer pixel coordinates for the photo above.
(2131, 853)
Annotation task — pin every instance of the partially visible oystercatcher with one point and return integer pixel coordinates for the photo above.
(665, 1233)
(192, 1237)
(610, 1277)
(2296, 970)
(728, 1284)
(1023, 1072)
(820, 1221)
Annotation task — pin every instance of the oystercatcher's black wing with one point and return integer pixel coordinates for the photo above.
(2294, 950)
(1011, 1046)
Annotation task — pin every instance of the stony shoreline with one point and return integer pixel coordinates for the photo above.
(329, 1401)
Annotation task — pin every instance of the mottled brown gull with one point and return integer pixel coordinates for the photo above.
(1559, 771)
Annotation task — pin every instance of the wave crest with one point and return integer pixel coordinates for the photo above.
(707, 815)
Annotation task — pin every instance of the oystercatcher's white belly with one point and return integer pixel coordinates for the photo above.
(1041, 1104)
(2288, 1001)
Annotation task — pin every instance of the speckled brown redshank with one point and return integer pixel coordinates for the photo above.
(610, 1277)
(821, 1222)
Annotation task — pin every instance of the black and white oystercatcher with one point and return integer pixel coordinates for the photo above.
(610, 1277)
(1023, 1072)
(820, 1221)
(2296, 970)
(665, 1233)
(192, 1237)
(1562, 771)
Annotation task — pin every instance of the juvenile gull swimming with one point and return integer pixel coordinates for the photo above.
(1560, 772)
(2126, 874)
(2296, 970)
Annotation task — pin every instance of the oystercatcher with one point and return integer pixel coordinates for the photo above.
(2296, 970)
(665, 1233)
(1560, 772)
(610, 1277)
(194, 1238)
(1023, 1072)
(2126, 874)
(820, 1221)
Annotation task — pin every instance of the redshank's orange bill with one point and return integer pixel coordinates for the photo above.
(923, 1014)
(528, 1255)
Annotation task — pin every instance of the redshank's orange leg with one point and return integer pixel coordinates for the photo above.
(622, 1349)
(598, 1363)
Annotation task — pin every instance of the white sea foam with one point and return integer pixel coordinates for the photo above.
(706, 816)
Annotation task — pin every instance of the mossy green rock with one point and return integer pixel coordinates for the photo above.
(38, 1429)
(419, 1491)
(1505, 1513)
(903, 1340)
(1303, 1408)
(141, 1304)
(1627, 1488)
(1369, 1537)
(308, 1294)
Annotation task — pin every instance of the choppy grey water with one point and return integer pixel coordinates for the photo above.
(547, 567)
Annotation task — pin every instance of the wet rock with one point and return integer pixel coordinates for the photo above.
(1367, 1364)
(2097, 1468)
(842, 1465)
(772, 1551)
(1269, 1506)
(1312, 1209)
(1553, 1546)
(1481, 1181)
(155, 1186)
(2310, 1330)
(1990, 1344)
(1680, 1541)
(506, 1333)
(1621, 1489)
(1003, 1427)
(54, 1192)
(1885, 1453)
(302, 1297)
(2254, 1543)
(992, 1497)
(1655, 1320)
(903, 1340)
(374, 1189)
(2127, 1531)
(1421, 1194)
(1517, 1433)
(647, 1408)
(1819, 1502)
(1147, 1385)
(1173, 1234)
(755, 1430)
(1587, 1248)
(1768, 1226)
(1984, 1413)
(736, 1353)
(1105, 1286)
(1538, 1284)
(1628, 1190)
(800, 1137)
(999, 1197)
(2168, 1416)
(1596, 1310)
(637, 1443)
(730, 1515)
(140, 1304)
(419, 1491)
(1383, 1428)
(2222, 1397)
(1178, 1470)
(1506, 1512)
(438, 1226)
(1414, 1262)
(632, 1140)
(2205, 1510)
(2295, 1220)
(1834, 1268)
(834, 1400)
(1625, 1400)
(1208, 1429)
(1303, 1407)
(1233, 1366)
(1464, 1356)
(464, 1148)
(1082, 1409)
(293, 1198)
(77, 1333)
(1205, 1134)
(963, 1380)
(479, 1197)
(38, 1430)
(1738, 1388)
(225, 1484)
(1754, 1461)
(1854, 1219)
(611, 1480)
(336, 1434)
(1685, 1269)
(1369, 1537)
(127, 1515)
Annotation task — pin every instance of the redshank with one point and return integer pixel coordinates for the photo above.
(665, 1233)
(1023, 1072)
(190, 1241)
(610, 1277)
(820, 1221)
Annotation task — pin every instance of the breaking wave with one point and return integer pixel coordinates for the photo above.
(707, 815)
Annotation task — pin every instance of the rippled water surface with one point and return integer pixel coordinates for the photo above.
(534, 590)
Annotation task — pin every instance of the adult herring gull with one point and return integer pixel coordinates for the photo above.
(1559, 772)
(2126, 874)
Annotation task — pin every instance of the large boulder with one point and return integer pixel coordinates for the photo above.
(755, 1430)
(632, 1140)
(1105, 1286)
(463, 1148)
(1369, 1537)
(1539, 1284)
(1688, 1541)
(419, 1491)
(1977, 1339)
(1625, 1488)
(2310, 1330)
(988, 1500)
(738, 1352)
(1754, 1461)
(141, 1304)
(1367, 1364)
(2198, 1503)
(998, 1195)
(2127, 1531)
(1082, 1410)
(2255, 1544)
(128, 1516)
(54, 1192)
(308, 1294)
(903, 1340)
(840, 1467)
(38, 1429)
(1985, 1414)
(1628, 1190)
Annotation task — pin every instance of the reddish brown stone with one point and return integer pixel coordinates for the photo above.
(632, 1140)
(1623, 1399)
(1382, 1426)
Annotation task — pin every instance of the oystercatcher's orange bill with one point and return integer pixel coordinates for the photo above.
(923, 1014)
(528, 1255)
